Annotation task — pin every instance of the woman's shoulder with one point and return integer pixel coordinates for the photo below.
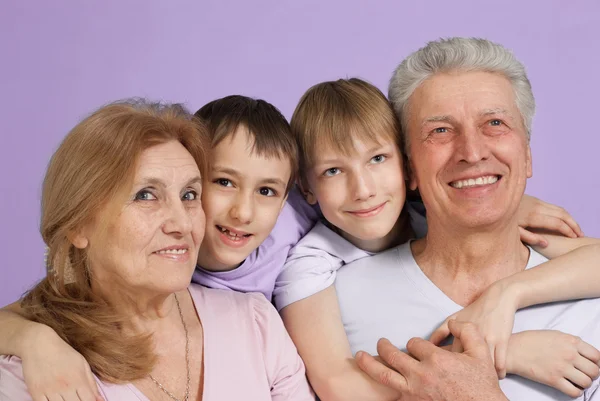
(12, 383)
(219, 301)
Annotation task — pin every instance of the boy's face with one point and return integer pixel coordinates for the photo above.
(362, 193)
(242, 196)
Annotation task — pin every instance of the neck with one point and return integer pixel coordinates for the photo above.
(146, 311)
(464, 262)
(399, 234)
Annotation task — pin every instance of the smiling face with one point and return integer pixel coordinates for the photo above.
(243, 196)
(152, 244)
(361, 193)
(469, 154)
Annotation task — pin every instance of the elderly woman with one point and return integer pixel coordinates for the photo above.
(123, 221)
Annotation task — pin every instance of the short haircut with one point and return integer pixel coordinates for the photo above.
(459, 54)
(265, 123)
(331, 114)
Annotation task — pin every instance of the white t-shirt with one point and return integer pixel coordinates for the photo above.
(388, 295)
(312, 264)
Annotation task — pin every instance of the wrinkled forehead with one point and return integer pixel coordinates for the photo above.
(462, 98)
(170, 163)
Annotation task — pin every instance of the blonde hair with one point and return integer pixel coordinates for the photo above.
(331, 114)
(95, 163)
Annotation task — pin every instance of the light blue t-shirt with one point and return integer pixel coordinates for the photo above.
(388, 295)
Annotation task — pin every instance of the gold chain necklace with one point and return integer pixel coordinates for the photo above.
(187, 361)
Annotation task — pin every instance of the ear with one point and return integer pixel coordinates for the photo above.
(307, 193)
(283, 203)
(309, 196)
(529, 163)
(411, 178)
(78, 239)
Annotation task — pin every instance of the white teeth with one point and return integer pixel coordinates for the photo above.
(231, 235)
(172, 252)
(487, 180)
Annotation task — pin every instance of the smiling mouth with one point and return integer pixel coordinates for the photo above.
(172, 252)
(232, 234)
(476, 182)
(368, 212)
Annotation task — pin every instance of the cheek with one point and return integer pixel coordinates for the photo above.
(213, 203)
(331, 194)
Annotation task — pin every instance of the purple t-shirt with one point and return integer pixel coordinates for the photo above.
(259, 271)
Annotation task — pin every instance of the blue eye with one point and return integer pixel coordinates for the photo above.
(440, 130)
(330, 172)
(144, 195)
(378, 159)
(266, 191)
(190, 195)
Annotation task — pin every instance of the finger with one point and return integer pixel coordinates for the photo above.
(85, 394)
(421, 349)
(440, 334)
(588, 351)
(395, 358)
(93, 385)
(379, 372)
(588, 367)
(54, 397)
(568, 388)
(457, 346)
(578, 378)
(532, 238)
(500, 359)
(471, 339)
(70, 395)
(553, 224)
(567, 218)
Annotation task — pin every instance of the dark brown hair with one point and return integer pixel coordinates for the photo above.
(265, 123)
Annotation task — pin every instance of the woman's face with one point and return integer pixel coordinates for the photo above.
(152, 243)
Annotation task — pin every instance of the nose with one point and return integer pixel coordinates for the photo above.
(363, 186)
(178, 220)
(472, 146)
(243, 208)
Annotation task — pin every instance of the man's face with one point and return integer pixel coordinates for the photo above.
(469, 153)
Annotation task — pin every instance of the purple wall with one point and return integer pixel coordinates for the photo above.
(62, 59)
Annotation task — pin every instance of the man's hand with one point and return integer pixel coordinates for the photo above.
(430, 373)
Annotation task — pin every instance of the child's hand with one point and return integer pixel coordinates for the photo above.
(55, 371)
(493, 313)
(537, 214)
(554, 358)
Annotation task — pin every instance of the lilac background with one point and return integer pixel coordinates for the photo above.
(62, 59)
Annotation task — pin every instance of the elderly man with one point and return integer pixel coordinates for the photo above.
(466, 108)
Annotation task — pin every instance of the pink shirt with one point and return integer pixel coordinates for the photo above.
(247, 354)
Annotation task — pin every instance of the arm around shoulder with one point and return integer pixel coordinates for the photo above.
(12, 383)
(285, 369)
(315, 325)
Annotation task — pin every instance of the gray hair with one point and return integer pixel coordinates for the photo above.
(459, 54)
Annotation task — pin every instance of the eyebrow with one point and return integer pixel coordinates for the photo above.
(227, 170)
(159, 183)
(490, 112)
(371, 150)
(437, 119)
(237, 174)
